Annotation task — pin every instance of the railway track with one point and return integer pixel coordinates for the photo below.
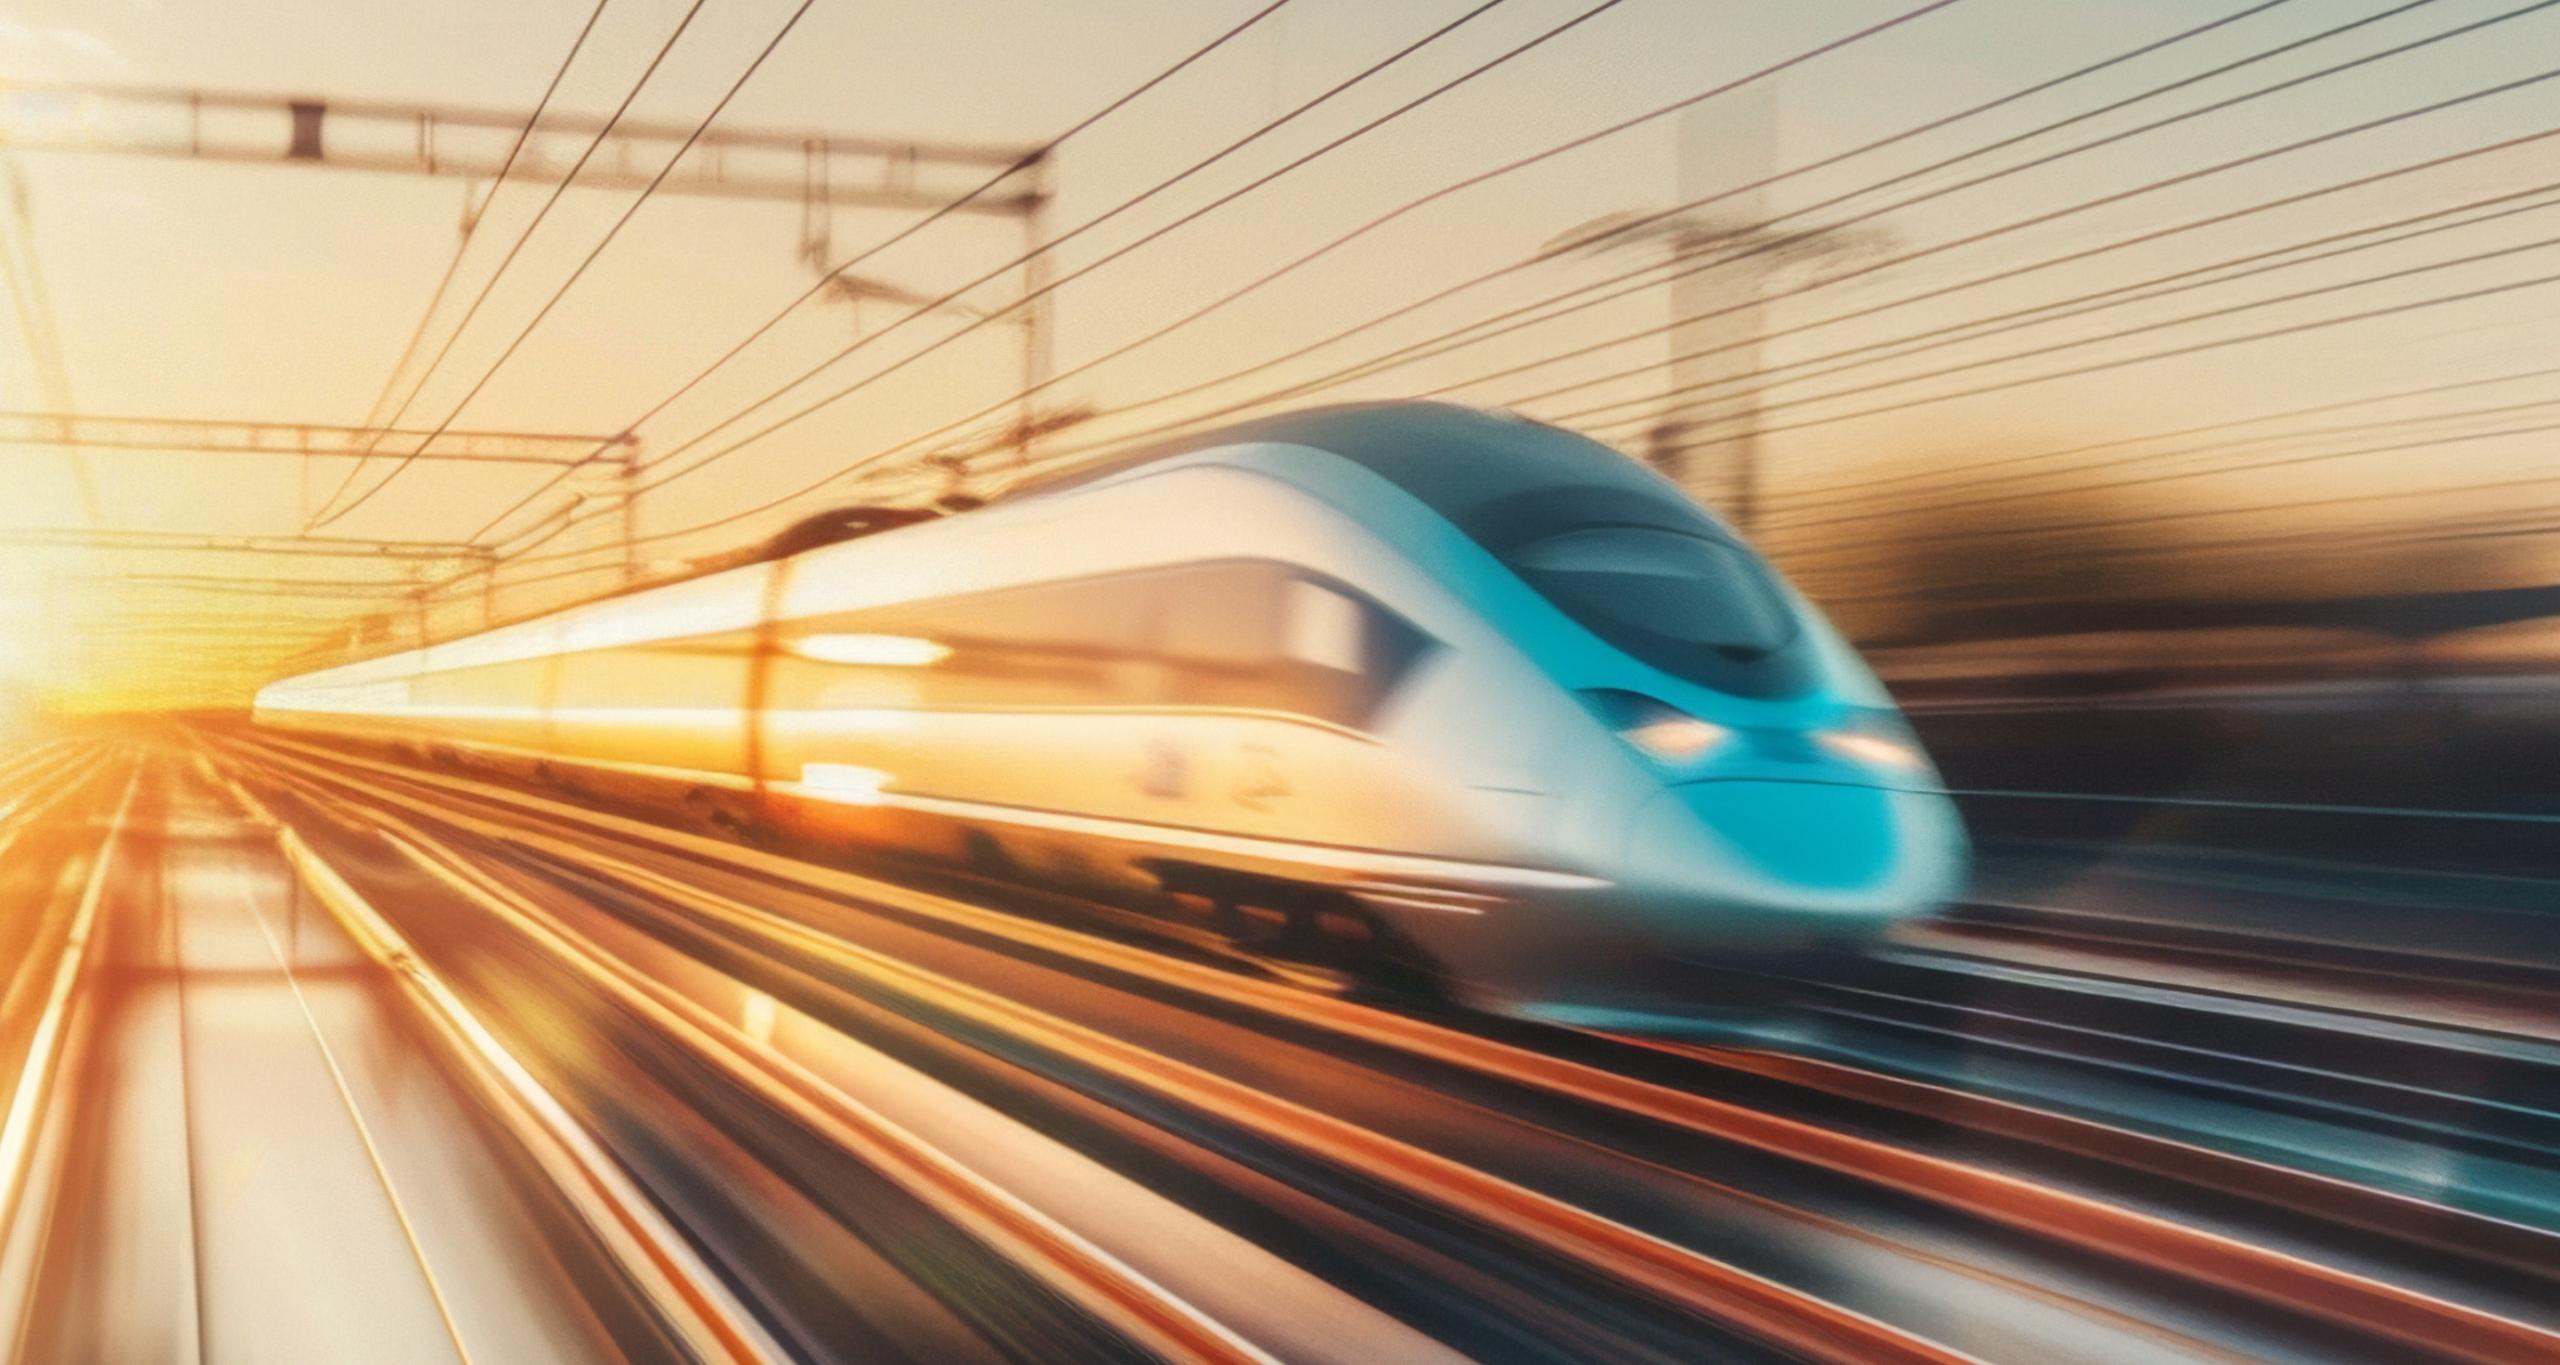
(2504, 994)
(215, 1146)
(2447, 1114)
(1598, 1130)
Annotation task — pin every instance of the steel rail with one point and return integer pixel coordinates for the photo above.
(2387, 1213)
(1171, 1328)
(686, 1295)
(1150, 1315)
(1709, 1288)
(29, 1100)
(1093, 1277)
(2288, 1281)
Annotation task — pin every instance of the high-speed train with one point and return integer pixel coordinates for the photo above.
(1481, 695)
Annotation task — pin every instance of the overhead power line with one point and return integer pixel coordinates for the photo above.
(241, 436)
(521, 555)
(1883, 485)
(1584, 297)
(1584, 415)
(1024, 162)
(1305, 388)
(520, 551)
(593, 252)
(375, 412)
(523, 235)
(1513, 319)
(1117, 253)
(1638, 223)
(1466, 183)
(2194, 348)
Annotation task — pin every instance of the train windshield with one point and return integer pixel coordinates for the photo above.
(1660, 595)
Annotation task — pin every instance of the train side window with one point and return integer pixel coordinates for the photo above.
(1241, 634)
(1219, 616)
(1324, 627)
(1343, 655)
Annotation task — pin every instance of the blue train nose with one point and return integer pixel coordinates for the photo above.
(1790, 863)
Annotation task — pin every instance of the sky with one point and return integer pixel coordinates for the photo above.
(203, 289)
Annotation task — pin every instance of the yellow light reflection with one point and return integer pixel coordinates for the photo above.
(851, 784)
(885, 651)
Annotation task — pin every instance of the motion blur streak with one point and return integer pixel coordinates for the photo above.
(562, 960)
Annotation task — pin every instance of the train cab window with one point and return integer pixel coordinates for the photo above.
(1666, 597)
(1213, 616)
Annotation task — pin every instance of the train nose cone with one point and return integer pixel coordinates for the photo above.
(1784, 864)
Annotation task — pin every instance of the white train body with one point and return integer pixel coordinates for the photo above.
(1278, 666)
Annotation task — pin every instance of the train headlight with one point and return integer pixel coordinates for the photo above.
(1875, 739)
(1664, 733)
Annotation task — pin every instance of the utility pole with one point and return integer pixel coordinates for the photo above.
(488, 587)
(1036, 341)
(1027, 194)
(629, 521)
(1716, 313)
(1721, 143)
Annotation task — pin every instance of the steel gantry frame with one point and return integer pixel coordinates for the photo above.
(244, 436)
(470, 143)
(330, 547)
(821, 171)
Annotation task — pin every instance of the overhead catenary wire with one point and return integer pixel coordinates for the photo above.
(1366, 368)
(1582, 298)
(523, 549)
(1585, 415)
(1198, 421)
(1511, 167)
(629, 211)
(1893, 21)
(2174, 352)
(1115, 254)
(2294, 329)
(1872, 487)
(1644, 220)
(2185, 177)
(325, 515)
(2431, 441)
(374, 411)
(677, 533)
(912, 227)
(2230, 270)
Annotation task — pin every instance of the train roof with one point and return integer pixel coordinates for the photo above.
(1502, 479)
